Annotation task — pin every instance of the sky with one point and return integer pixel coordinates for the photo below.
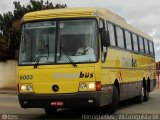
(143, 14)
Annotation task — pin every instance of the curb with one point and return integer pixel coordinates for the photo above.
(8, 91)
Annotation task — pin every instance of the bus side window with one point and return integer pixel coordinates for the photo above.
(141, 44)
(112, 34)
(151, 48)
(135, 42)
(120, 37)
(128, 40)
(146, 46)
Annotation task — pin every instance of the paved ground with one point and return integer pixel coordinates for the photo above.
(9, 105)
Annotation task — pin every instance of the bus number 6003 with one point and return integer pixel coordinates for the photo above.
(26, 77)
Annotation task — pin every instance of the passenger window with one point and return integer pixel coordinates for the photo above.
(120, 38)
(141, 44)
(146, 46)
(128, 40)
(111, 33)
(151, 47)
(135, 42)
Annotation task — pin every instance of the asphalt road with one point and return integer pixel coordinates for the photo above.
(9, 106)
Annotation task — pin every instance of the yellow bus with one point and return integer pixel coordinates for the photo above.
(82, 57)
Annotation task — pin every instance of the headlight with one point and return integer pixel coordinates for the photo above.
(91, 86)
(29, 88)
(83, 86)
(23, 88)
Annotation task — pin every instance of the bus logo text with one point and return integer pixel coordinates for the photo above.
(86, 75)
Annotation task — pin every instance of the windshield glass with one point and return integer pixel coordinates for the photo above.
(79, 39)
(76, 40)
(35, 37)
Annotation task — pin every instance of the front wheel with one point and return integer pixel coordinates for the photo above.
(50, 111)
(115, 100)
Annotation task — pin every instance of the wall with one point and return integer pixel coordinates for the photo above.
(8, 74)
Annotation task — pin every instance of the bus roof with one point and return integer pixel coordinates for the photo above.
(84, 12)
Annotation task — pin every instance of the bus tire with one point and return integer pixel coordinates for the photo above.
(148, 85)
(115, 100)
(146, 96)
(139, 99)
(50, 111)
(146, 92)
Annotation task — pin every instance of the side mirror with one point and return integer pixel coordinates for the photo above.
(105, 38)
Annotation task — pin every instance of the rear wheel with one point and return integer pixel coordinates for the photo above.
(146, 96)
(115, 100)
(50, 111)
(139, 99)
(146, 92)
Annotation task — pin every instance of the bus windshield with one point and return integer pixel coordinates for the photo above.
(53, 42)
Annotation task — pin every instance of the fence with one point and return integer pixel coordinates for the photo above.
(8, 74)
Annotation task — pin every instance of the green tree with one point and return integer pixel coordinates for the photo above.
(10, 24)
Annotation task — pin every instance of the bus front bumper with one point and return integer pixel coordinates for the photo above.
(80, 99)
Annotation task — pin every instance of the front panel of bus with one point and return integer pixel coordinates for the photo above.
(50, 68)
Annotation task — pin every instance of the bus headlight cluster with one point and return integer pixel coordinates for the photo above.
(26, 88)
(87, 86)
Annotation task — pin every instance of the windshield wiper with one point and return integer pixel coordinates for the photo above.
(37, 59)
(69, 58)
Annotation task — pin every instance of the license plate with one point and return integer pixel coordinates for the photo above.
(57, 103)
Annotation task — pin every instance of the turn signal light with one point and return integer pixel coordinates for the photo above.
(98, 86)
